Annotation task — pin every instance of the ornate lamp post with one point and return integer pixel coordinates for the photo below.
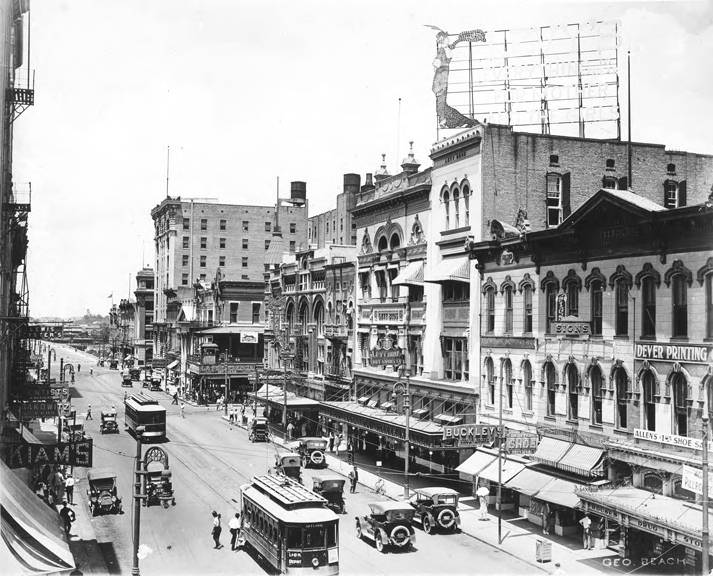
(401, 387)
(281, 343)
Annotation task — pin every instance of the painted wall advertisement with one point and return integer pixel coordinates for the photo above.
(672, 439)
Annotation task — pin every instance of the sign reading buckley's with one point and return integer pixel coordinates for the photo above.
(693, 353)
(70, 454)
(471, 434)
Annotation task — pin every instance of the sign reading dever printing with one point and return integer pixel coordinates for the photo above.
(693, 353)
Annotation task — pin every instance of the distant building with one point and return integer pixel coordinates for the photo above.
(336, 226)
(143, 322)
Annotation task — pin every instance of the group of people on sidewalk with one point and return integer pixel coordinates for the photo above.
(233, 526)
(56, 484)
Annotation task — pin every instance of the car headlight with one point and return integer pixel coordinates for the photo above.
(315, 562)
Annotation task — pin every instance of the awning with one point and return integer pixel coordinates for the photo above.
(509, 469)
(476, 463)
(550, 451)
(411, 275)
(372, 403)
(528, 481)
(387, 405)
(32, 532)
(363, 400)
(451, 270)
(559, 492)
(220, 330)
(448, 419)
(276, 395)
(173, 365)
(582, 460)
(420, 412)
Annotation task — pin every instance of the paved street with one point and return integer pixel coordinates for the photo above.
(209, 461)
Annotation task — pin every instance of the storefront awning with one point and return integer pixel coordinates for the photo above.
(32, 533)
(550, 451)
(276, 395)
(448, 419)
(221, 330)
(582, 460)
(560, 492)
(411, 275)
(475, 463)
(508, 469)
(420, 412)
(528, 481)
(387, 405)
(451, 270)
(173, 365)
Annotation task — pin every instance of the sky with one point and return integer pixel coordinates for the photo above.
(244, 91)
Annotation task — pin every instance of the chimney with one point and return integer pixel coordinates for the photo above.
(368, 183)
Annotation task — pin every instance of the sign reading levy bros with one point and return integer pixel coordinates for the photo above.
(673, 439)
(694, 353)
(70, 454)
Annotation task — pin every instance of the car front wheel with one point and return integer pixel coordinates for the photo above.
(427, 526)
(379, 542)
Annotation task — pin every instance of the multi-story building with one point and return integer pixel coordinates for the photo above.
(336, 226)
(143, 321)
(122, 325)
(196, 238)
(595, 336)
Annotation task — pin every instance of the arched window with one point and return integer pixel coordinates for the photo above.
(490, 310)
(648, 385)
(648, 307)
(489, 377)
(571, 288)
(456, 208)
(319, 317)
(680, 404)
(507, 380)
(572, 396)
(595, 377)
(446, 210)
(527, 308)
(395, 241)
(527, 381)
(383, 244)
(466, 205)
(680, 307)
(303, 318)
(507, 296)
(595, 303)
(551, 385)
(622, 398)
(622, 307)
(653, 483)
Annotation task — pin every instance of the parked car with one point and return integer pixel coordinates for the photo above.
(103, 498)
(259, 431)
(312, 449)
(108, 423)
(290, 465)
(159, 488)
(330, 487)
(436, 508)
(388, 525)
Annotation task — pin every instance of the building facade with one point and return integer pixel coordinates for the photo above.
(336, 226)
(144, 314)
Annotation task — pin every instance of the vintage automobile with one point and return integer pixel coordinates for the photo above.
(103, 498)
(259, 431)
(389, 524)
(312, 450)
(155, 384)
(436, 508)
(135, 374)
(159, 488)
(330, 487)
(290, 465)
(113, 364)
(126, 380)
(108, 422)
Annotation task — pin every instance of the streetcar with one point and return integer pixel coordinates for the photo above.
(142, 410)
(290, 526)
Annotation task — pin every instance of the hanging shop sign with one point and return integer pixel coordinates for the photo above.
(32, 409)
(34, 392)
(692, 479)
(386, 353)
(159, 363)
(571, 328)
(69, 454)
(42, 331)
(519, 442)
(470, 435)
(247, 337)
(672, 439)
(692, 353)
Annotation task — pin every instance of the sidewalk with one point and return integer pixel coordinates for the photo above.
(519, 536)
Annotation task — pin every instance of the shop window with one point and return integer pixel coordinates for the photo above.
(490, 380)
(621, 383)
(595, 302)
(648, 385)
(648, 307)
(527, 381)
(680, 307)
(622, 308)
(507, 296)
(572, 396)
(234, 306)
(490, 310)
(507, 379)
(527, 306)
(595, 377)
(680, 404)
(551, 385)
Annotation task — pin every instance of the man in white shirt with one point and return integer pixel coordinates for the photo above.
(69, 488)
(586, 523)
(234, 526)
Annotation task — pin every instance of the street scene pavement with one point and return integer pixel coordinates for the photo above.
(209, 460)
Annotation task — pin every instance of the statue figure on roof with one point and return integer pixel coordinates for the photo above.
(366, 243)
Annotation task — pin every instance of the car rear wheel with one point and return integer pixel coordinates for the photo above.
(427, 526)
(358, 530)
(379, 542)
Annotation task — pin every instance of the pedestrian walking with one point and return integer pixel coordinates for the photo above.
(234, 526)
(338, 443)
(79, 368)
(68, 516)
(69, 488)
(91, 371)
(331, 441)
(183, 410)
(58, 480)
(217, 529)
(290, 430)
(175, 397)
(586, 524)
(89, 411)
(353, 479)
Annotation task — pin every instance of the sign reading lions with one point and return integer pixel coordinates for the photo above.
(386, 353)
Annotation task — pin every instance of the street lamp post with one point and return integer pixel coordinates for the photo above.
(705, 533)
(138, 495)
(406, 393)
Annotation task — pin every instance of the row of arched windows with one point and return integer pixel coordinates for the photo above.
(455, 200)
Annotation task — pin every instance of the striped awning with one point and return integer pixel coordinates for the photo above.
(550, 451)
(448, 419)
(411, 275)
(508, 469)
(560, 492)
(451, 270)
(582, 460)
(528, 481)
(475, 463)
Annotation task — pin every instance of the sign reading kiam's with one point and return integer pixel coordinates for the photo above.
(70, 454)
(693, 353)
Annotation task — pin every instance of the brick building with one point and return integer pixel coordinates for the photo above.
(144, 313)
(336, 226)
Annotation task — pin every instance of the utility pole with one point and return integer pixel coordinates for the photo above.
(407, 411)
(256, 389)
(705, 533)
(61, 369)
(225, 398)
(138, 496)
(500, 466)
(284, 394)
